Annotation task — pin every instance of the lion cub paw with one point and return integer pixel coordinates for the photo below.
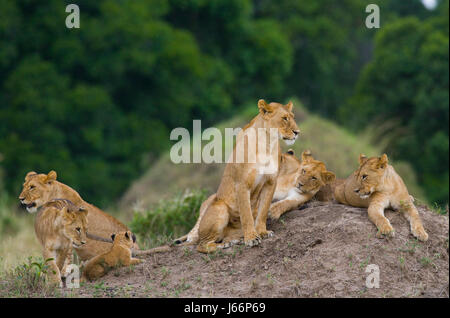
(385, 230)
(419, 232)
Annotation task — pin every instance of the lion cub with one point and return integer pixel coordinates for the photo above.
(118, 255)
(376, 185)
(298, 182)
(59, 226)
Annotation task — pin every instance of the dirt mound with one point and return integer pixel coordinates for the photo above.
(320, 251)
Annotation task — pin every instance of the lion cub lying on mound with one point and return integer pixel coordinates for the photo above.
(38, 189)
(118, 255)
(376, 185)
(298, 182)
(59, 225)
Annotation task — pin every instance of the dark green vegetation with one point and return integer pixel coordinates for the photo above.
(97, 104)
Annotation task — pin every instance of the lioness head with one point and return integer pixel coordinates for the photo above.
(370, 174)
(281, 117)
(37, 190)
(75, 225)
(313, 174)
(124, 238)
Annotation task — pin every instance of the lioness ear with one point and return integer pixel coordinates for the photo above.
(29, 175)
(113, 236)
(383, 161)
(264, 108)
(82, 209)
(289, 106)
(290, 152)
(306, 155)
(362, 159)
(328, 177)
(51, 176)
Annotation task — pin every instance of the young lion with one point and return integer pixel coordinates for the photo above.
(118, 255)
(246, 189)
(298, 182)
(59, 225)
(287, 193)
(38, 189)
(376, 185)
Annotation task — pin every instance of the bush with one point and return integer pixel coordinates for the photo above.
(168, 219)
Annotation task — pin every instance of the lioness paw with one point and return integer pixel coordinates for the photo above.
(265, 234)
(252, 240)
(419, 232)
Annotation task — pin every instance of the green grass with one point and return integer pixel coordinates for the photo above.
(167, 219)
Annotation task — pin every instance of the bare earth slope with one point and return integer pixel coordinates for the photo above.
(319, 251)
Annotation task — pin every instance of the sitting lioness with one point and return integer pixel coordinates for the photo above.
(38, 189)
(246, 189)
(376, 185)
(297, 183)
(59, 225)
(119, 254)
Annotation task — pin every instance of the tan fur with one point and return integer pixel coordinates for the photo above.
(375, 185)
(59, 225)
(245, 191)
(38, 189)
(298, 182)
(118, 255)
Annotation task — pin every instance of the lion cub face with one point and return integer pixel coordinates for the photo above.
(124, 238)
(75, 225)
(313, 174)
(281, 117)
(36, 190)
(370, 174)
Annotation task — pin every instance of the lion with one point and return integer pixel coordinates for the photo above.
(38, 189)
(59, 226)
(298, 182)
(293, 189)
(375, 185)
(118, 255)
(249, 180)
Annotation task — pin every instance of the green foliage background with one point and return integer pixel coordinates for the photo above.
(97, 104)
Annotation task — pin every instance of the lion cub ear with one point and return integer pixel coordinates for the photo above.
(362, 159)
(113, 236)
(51, 176)
(264, 108)
(289, 106)
(83, 210)
(328, 177)
(383, 161)
(29, 175)
(290, 152)
(306, 155)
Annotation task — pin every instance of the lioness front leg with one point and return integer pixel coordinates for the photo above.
(251, 237)
(264, 201)
(376, 215)
(411, 213)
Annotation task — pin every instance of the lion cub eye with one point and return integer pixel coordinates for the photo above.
(303, 171)
(285, 118)
(32, 187)
(313, 178)
(364, 177)
(78, 229)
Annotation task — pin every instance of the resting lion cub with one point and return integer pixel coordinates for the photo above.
(376, 185)
(38, 189)
(118, 255)
(298, 182)
(59, 226)
(246, 189)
